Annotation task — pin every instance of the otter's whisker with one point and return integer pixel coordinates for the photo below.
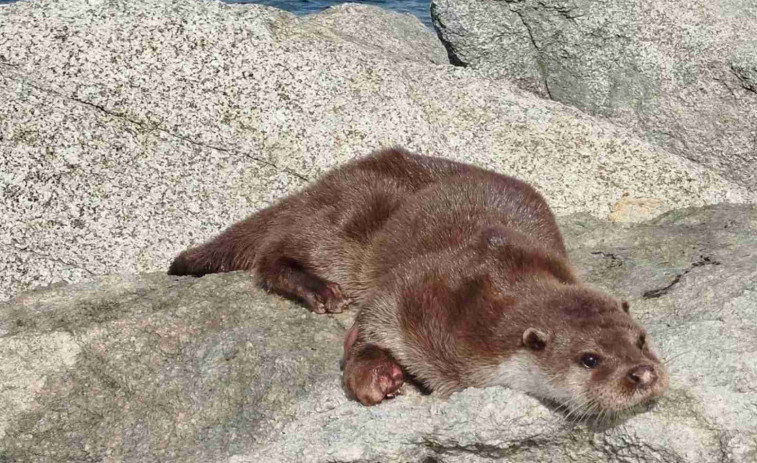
(669, 360)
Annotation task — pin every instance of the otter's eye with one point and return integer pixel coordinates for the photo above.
(641, 342)
(589, 360)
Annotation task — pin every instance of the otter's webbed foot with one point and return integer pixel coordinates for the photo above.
(370, 373)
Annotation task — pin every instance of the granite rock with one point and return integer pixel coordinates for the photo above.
(131, 130)
(402, 36)
(153, 368)
(680, 73)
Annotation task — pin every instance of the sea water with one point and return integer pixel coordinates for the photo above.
(418, 8)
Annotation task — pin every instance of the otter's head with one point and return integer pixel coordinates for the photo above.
(586, 353)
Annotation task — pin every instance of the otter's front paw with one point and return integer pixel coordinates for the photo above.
(327, 298)
(371, 374)
(334, 300)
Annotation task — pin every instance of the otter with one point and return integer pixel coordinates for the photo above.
(461, 279)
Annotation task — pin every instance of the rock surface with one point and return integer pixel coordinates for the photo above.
(155, 368)
(682, 73)
(130, 130)
(371, 28)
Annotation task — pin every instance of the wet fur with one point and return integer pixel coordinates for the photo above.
(449, 265)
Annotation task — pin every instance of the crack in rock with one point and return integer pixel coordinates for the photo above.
(543, 73)
(746, 76)
(616, 261)
(487, 451)
(654, 293)
(51, 258)
(25, 80)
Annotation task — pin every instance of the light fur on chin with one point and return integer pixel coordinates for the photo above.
(569, 391)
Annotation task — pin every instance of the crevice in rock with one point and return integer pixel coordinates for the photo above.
(654, 293)
(746, 80)
(438, 23)
(6, 63)
(483, 450)
(49, 258)
(562, 10)
(615, 260)
(27, 81)
(658, 292)
(545, 81)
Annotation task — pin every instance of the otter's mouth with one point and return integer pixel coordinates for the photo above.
(634, 390)
(594, 413)
(611, 401)
(601, 410)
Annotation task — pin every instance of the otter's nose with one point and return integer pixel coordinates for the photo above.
(643, 376)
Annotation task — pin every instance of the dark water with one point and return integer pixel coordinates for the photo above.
(418, 8)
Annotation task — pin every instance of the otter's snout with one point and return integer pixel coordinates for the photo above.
(643, 376)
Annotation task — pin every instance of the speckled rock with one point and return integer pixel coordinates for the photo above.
(153, 368)
(131, 130)
(402, 36)
(680, 73)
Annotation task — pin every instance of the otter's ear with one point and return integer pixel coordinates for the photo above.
(534, 339)
(624, 305)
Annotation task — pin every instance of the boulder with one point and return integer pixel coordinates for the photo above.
(679, 73)
(372, 28)
(144, 368)
(131, 130)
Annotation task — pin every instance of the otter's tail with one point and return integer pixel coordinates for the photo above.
(211, 257)
(233, 249)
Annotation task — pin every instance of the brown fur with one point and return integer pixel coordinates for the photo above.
(461, 278)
